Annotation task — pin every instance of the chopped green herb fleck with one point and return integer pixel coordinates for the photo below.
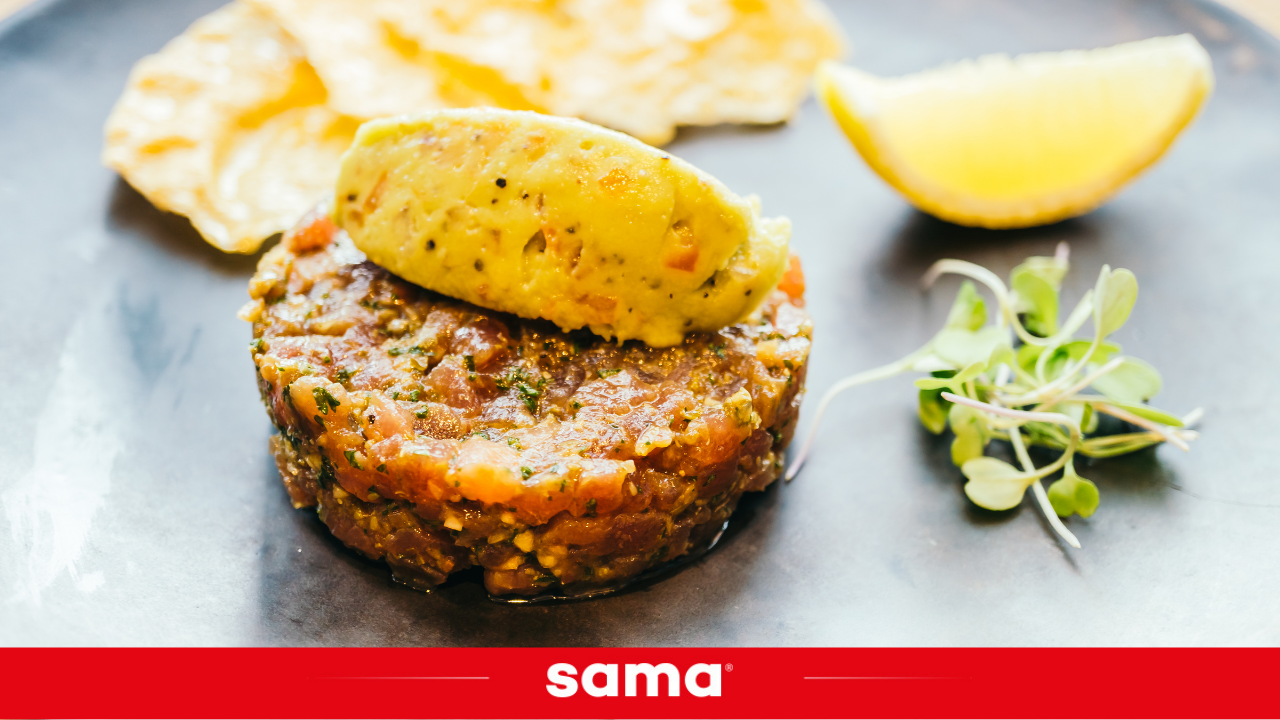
(529, 396)
(326, 477)
(324, 400)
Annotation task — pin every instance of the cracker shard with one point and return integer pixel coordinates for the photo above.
(228, 125)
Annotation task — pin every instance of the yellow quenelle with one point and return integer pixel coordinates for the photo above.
(555, 218)
(1001, 143)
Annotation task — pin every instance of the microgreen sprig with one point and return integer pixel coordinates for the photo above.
(985, 389)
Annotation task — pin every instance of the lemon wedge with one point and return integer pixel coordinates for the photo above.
(1005, 143)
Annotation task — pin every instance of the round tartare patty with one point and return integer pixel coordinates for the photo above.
(437, 435)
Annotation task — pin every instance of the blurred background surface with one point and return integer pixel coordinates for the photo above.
(1263, 12)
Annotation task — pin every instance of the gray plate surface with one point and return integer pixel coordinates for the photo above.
(140, 505)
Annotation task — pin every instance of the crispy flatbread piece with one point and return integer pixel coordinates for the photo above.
(228, 125)
(372, 71)
(239, 122)
(640, 66)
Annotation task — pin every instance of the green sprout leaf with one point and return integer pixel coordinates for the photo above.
(1148, 412)
(1133, 382)
(1116, 294)
(1027, 355)
(969, 311)
(1076, 349)
(1059, 359)
(965, 347)
(953, 382)
(1073, 494)
(1112, 445)
(1050, 269)
(1001, 355)
(970, 440)
(929, 363)
(1037, 302)
(1041, 403)
(994, 484)
(933, 410)
(1080, 412)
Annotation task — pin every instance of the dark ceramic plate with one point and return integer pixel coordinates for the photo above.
(140, 505)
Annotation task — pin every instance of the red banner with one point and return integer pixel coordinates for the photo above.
(637, 682)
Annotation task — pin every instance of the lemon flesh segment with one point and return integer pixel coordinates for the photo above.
(555, 218)
(1001, 143)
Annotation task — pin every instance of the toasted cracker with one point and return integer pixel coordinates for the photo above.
(640, 66)
(228, 125)
(373, 71)
(239, 122)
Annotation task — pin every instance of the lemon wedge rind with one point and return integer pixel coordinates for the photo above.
(1003, 142)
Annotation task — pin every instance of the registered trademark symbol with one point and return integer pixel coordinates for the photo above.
(728, 667)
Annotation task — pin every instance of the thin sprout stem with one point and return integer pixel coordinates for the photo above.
(997, 287)
(1062, 253)
(1084, 383)
(1193, 417)
(1005, 423)
(1042, 441)
(1133, 419)
(1066, 376)
(1026, 415)
(1035, 395)
(1003, 375)
(1055, 418)
(993, 282)
(1026, 377)
(880, 373)
(1042, 363)
(1015, 439)
(960, 267)
(1082, 312)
